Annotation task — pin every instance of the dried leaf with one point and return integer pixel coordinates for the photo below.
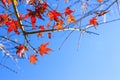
(13, 25)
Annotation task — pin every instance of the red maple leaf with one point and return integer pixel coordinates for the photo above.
(43, 49)
(93, 22)
(33, 59)
(33, 15)
(20, 50)
(3, 18)
(68, 11)
(59, 25)
(53, 15)
(13, 25)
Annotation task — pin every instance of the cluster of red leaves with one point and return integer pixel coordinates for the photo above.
(54, 15)
(37, 13)
(39, 10)
(3, 18)
(33, 58)
(42, 50)
(68, 12)
(20, 50)
(12, 24)
(59, 24)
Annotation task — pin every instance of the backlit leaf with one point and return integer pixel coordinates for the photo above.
(33, 59)
(43, 49)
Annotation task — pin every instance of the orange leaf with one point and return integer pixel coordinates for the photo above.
(33, 59)
(43, 49)
(59, 24)
(71, 19)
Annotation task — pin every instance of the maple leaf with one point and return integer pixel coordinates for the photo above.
(68, 11)
(33, 59)
(20, 50)
(59, 24)
(13, 25)
(93, 22)
(53, 15)
(33, 15)
(43, 49)
(3, 18)
(71, 19)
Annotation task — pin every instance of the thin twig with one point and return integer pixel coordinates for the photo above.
(8, 68)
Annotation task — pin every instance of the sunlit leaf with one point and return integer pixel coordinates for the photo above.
(71, 19)
(43, 49)
(33, 59)
(93, 22)
(20, 50)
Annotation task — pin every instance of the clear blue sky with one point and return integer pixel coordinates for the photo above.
(98, 57)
